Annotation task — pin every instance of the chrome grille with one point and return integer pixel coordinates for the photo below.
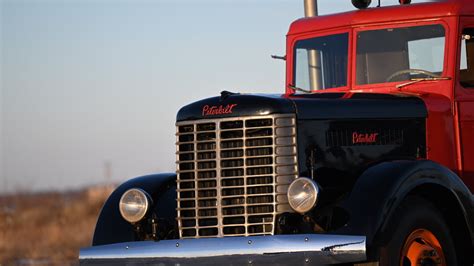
(233, 174)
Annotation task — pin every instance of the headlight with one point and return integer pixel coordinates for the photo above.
(303, 194)
(134, 204)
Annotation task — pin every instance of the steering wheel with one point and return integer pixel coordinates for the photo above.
(412, 71)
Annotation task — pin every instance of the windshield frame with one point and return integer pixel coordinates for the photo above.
(357, 30)
(352, 50)
(291, 74)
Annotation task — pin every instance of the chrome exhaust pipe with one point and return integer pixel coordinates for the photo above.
(310, 8)
(314, 58)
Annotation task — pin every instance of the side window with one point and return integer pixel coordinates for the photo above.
(467, 59)
(321, 62)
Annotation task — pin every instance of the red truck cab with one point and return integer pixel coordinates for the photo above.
(372, 51)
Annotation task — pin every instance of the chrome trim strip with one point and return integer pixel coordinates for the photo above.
(218, 187)
(318, 249)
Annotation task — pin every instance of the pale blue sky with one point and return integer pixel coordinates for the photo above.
(90, 81)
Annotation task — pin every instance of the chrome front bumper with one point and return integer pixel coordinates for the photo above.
(310, 249)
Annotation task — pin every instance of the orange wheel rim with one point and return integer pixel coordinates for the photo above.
(422, 248)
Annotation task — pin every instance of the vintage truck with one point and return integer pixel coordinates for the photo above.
(367, 158)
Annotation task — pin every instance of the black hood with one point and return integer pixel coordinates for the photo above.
(307, 106)
(359, 105)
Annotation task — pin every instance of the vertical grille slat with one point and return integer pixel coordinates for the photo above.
(231, 172)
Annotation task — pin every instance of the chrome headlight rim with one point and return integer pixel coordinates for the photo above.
(303, 183)
(145, 199)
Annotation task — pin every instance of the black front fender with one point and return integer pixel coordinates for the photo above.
(381, 189)
(112, 228)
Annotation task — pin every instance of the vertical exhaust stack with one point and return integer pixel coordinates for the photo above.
(310, 8)
(314, 58)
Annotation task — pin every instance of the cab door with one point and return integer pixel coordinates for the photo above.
(465, 99)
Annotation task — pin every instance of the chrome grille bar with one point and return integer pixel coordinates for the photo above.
(233, 174)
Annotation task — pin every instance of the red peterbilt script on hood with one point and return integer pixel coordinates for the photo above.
(217, 110)
(364, 137)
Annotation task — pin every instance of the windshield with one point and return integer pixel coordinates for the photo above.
(321, 63)
(398, 54)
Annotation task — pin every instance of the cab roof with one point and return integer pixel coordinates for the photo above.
(392, 14)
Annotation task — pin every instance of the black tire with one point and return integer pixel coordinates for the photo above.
(413, 215)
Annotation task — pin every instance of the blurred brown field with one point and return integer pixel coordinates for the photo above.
(48, 228)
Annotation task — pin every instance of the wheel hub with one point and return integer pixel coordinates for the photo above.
(422, 248)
